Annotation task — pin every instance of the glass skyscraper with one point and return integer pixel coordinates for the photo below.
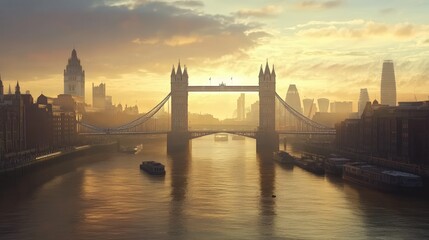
(388, 84)
(363, 100)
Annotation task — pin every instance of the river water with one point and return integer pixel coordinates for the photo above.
(218, 190)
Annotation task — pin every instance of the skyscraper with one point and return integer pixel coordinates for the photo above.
(292, 98)
(241, 113)
(99, 96)
(74, 78)
(309, 107)
(388, 84)
(323, 104)
(363, 99)
(341, 107)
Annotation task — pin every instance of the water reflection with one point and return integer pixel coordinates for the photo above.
(178, 167)
(217, 190)
(267, 203)
(388, 214)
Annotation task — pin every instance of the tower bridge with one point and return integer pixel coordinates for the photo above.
(179, 135)
(266, 136)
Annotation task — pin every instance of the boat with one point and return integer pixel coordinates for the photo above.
(131, 150)
(381, 178)
(334, 165)
(152, 167)
(237, 137)
(308, 163)
(283, 157)
(221, 137)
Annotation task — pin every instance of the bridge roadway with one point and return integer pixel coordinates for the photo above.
(223, 88)
(200, 133)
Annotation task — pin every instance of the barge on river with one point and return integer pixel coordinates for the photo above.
(334, 165)
(311, 163)
(381, 178)
(283, 157)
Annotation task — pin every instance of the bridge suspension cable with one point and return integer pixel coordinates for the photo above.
(138, 121)
(301, 117)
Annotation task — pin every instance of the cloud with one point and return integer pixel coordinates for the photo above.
(267, 11)
(386, 11)
(359, 29)
(112, 36)
(316, 5)
(404, 30)
(189, 3)
(172, 41)
(324, 23)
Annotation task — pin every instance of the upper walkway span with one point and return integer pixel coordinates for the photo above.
(223, 88)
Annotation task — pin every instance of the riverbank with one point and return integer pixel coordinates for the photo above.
(58, 156)
(326, 149)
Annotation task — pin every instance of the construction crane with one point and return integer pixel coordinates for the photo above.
(311, 108)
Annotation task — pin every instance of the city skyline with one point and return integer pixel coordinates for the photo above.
(134, 58)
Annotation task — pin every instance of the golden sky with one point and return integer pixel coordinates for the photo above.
(328, 48)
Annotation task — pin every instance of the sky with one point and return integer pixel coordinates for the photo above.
(328, 48)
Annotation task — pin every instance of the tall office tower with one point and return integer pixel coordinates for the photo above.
(241, 111)
(388, 84)
(341, 107)
(363, 99)
(74, 78)
(99, 96)
(308, 106)
(323, 104)
(292, 98)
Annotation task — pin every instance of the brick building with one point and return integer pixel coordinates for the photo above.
(28, 128)
(398, 133)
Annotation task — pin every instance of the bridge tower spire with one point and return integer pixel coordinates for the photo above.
(266, 136)
(178, 137)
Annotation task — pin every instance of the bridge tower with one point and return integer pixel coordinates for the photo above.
(178, 137)
(267, 139)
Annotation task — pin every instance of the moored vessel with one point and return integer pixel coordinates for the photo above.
(381, 178)
(334, 165)
(308, 163)
(152, 167)
(283, 157)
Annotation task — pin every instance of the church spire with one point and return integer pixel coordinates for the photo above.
(17, 88)
(273, 73)
(10, 91)
(74, 54)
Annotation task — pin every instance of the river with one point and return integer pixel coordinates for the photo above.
(218, 190)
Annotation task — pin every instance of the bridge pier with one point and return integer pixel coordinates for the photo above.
(267, 141)
(177, 141)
